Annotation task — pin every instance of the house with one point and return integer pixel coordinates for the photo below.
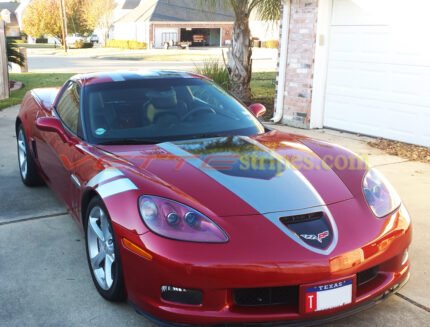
(7, 14)
(361, 66)
(159, 21)
(22, 5)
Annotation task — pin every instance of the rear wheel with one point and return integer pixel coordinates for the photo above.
(27, 166)
(102, 252)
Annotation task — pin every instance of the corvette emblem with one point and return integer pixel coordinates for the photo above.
(313, 237)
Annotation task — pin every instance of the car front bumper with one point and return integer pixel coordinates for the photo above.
(306, 322)
(219, 271)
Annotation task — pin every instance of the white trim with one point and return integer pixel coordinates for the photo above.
(283, 62)
(325, 10)
(115, 187)
(103, 176)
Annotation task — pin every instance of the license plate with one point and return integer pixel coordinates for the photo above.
(328, 296)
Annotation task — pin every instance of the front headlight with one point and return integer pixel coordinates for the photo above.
(380, 194)
(175, 220)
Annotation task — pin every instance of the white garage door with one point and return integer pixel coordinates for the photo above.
(165, 34)
(379, 69)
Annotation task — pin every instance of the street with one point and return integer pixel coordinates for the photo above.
(50, 61)
(45, 280)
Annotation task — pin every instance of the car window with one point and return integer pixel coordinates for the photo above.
(164, 110)
(68, 107)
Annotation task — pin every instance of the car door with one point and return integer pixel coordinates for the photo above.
(59, 157)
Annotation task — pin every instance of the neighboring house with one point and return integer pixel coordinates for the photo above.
(7, 14)
(356, 65)
(22, 5)
(159, 21)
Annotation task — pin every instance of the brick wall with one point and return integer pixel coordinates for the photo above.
(300, 62)
(226, 28)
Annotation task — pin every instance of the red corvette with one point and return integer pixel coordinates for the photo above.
(198, 214)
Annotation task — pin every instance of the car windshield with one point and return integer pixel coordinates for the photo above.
(162, 110)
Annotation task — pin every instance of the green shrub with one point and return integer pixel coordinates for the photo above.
(80, 44)
(126, 44)
(272, 44)
(216, 71)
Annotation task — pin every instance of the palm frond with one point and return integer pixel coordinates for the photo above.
(13, 54)
(267, 9)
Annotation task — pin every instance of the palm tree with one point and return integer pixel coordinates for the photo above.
(239, 61)
(13, 54)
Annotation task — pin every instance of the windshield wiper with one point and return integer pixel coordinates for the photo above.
(207, 136)
(129, 142)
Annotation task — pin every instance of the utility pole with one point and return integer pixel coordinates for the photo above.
(63, 23)
(4, 74)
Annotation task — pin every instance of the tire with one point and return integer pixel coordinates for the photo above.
(103, 253)
(27, 167)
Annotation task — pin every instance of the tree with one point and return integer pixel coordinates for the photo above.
(42, 17)
(13, 54)
(239, 57)
(99, 14)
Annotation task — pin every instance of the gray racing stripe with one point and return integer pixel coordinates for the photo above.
(286, 193)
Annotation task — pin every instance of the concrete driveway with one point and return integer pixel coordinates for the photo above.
(45, 281)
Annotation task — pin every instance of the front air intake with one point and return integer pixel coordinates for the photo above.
(266, 296)
(181, 295)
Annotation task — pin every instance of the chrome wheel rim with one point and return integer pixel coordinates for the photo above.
(22, 154)
(101, 247)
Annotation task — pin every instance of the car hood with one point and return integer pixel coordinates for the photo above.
(236, 176)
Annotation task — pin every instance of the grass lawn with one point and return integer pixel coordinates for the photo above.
(32, 81)
(262, 84)
(263, 91)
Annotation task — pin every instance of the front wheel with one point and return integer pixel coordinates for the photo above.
(27, 166)
(103, 253)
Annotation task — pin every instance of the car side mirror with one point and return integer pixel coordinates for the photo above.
(258, 109)
(52, 124)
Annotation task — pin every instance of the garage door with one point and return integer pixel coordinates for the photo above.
(378, 80)
(164, 34)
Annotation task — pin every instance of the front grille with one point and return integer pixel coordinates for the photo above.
(267, 296)
(366, 276)
(302, 218)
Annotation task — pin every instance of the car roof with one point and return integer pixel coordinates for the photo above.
(121, 76)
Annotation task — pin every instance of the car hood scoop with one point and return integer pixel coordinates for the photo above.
(241, 175)
(314, 229)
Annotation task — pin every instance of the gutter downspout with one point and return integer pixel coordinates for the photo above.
(283, 62)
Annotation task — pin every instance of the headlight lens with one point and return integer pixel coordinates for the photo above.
(380, 194)
(177, 221)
